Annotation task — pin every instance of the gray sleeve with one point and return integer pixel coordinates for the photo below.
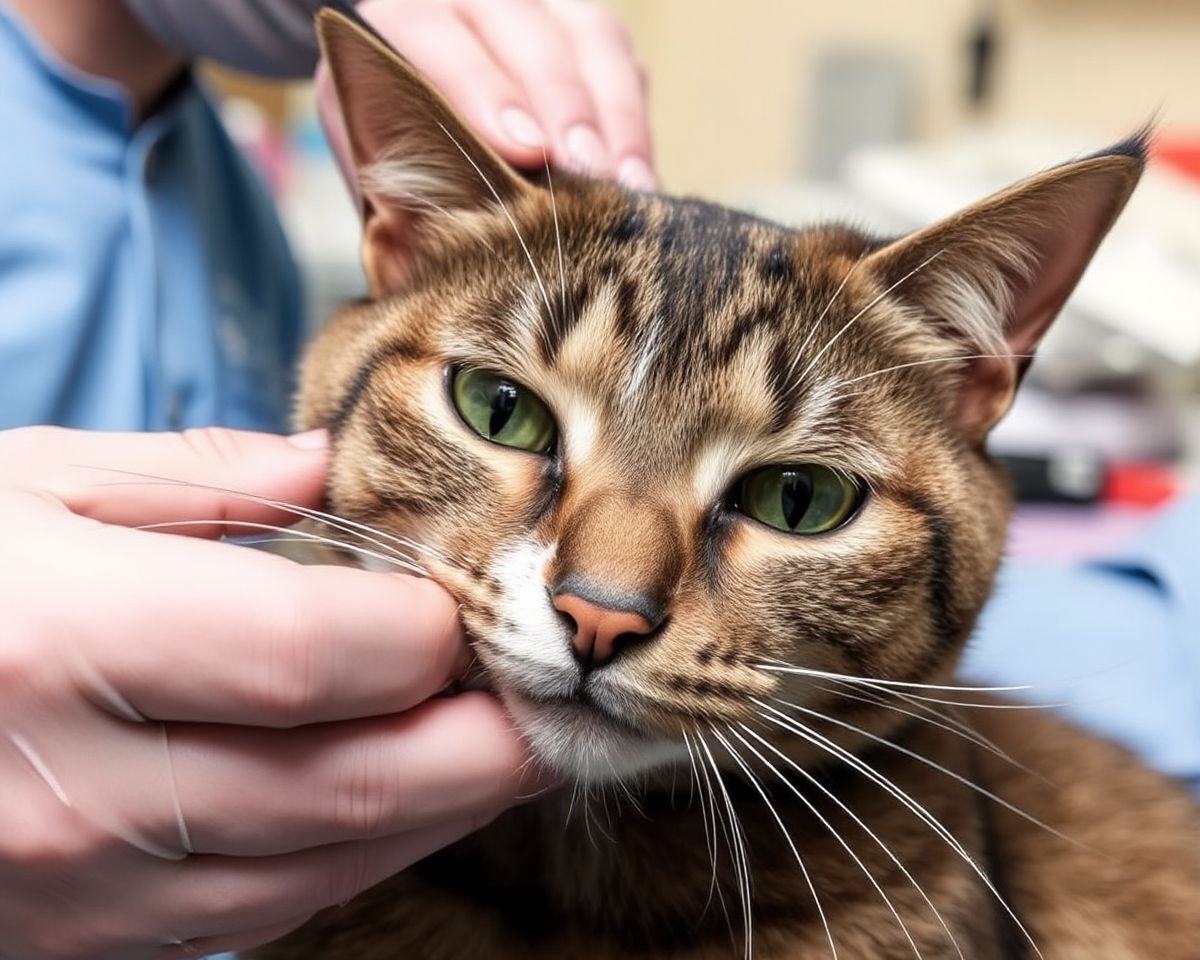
(267, 37)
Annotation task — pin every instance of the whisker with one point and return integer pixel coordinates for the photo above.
(380, 538)
(758, 787)
(300, 536)
(736, 838)
(920, 363)
(862, 826)
(854, 319)
(928, 715)
(779, 666)
(507, 215)
(817, 323)
(710, 828)
(840, 839)
(558, 246)
(932, 764)
(787, 723)
(707, 789)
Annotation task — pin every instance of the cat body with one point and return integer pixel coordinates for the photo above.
(714, 498)
(544, 881)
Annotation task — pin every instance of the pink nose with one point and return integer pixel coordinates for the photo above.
(600, 630)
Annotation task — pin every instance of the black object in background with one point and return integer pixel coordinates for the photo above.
(1072, 476)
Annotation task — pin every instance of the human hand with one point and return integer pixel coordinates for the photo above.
(202, 744)
(541, 80)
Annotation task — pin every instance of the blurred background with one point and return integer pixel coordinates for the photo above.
(891, 113)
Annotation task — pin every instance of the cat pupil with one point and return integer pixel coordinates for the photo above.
(504, 402)
(796, 492)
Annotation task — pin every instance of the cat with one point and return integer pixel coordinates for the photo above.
(715, 500)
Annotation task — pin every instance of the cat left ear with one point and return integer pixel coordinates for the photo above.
(994, 276)
(416, 159)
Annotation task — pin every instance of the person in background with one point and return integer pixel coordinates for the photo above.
(201, 745)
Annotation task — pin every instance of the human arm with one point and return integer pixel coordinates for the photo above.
(547, 80)
(202, 744)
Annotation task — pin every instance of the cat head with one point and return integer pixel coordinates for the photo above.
(688, 473)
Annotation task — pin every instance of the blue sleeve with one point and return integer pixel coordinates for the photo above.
(1115, 643)
(145, 281)
(267, 37)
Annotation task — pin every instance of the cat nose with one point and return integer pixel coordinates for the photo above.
(599, 630)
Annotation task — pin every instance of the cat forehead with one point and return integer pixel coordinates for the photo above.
(665, 330)
(665, 278)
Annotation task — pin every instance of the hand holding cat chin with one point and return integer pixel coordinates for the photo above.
(541, 80)
(163, 694)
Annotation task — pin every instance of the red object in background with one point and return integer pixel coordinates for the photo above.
(1182, 153)
(1140, 484)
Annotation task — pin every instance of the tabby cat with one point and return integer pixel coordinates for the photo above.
(714, 497)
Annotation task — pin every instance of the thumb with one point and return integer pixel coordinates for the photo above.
(215, 475)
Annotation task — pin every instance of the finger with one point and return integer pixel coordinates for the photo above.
(213, 475)
(446, 49)
(534, 49)
(449, 759)
(607, 63)
(217, 899)
(243, 637)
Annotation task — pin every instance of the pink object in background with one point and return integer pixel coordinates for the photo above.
(1069, 533)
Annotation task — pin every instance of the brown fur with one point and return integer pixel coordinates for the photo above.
(722, 804)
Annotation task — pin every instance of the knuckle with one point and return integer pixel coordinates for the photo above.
(220, 446)
(294, 683)
(362, 806)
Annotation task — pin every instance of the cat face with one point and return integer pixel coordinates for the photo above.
(683, 469)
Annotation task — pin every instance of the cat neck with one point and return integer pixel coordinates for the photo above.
(665, 865)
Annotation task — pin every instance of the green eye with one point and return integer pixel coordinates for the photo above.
(799, 498)
(502, 411)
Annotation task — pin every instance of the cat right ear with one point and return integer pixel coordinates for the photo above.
(994, 276)
(417, 161)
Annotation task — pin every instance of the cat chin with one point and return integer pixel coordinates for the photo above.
(587, 747)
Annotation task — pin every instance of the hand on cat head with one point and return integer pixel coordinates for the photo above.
(554, 81)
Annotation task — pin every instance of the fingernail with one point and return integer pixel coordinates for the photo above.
(587, 150)
(636, 173)
(310, 439)
(522, 128)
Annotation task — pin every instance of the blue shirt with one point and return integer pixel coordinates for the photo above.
(145, 283)
(1115, 644)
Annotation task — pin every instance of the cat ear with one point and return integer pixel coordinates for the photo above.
(416, 159)
(995, 275)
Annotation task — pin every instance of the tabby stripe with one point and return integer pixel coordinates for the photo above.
(1009, 935)
(948, 626)
(362, 380)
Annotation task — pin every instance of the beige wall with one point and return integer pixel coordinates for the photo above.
(731, 80)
